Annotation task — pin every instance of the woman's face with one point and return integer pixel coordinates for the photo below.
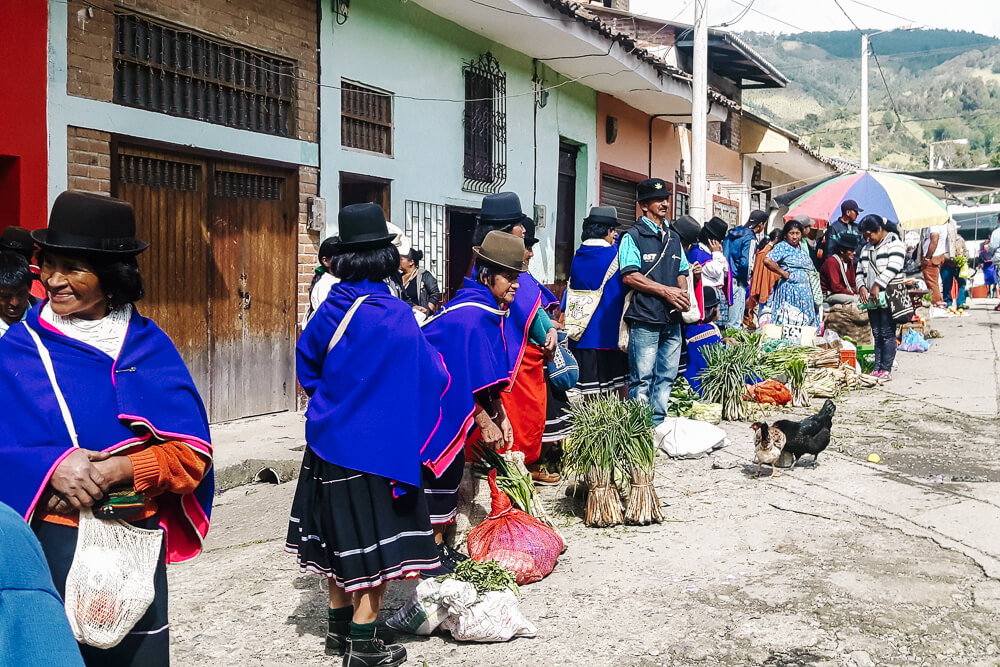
(793, 236)
(505, 286)
(73, 287)
(405, 263)
(518, 230)
(874, 237)
(848, 254)
(528, 254)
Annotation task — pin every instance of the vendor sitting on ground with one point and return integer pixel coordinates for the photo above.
(698, 336)
(837, 275)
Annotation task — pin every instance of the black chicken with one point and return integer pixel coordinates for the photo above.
(809, 436)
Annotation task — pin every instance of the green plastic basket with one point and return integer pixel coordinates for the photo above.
(866, 358)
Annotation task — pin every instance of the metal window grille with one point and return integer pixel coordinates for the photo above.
(682, 202)
(158, 173)
(365, 118)
(730, 212)
(248, 186)
(485, 125)
(178, 72)
(425, 227)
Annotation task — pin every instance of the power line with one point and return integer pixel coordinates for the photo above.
(904, 120)
(879, 9)
(737, 18)
(773, 18)
(835, 61)
(844, 12)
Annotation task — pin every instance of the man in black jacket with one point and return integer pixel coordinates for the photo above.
(654, 268)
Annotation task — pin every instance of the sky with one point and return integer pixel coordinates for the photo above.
(981, 16)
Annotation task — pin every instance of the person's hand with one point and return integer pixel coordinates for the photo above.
(422, 310)
(493, 436)
(115, 470)
(677, 296)
(696, 271)
(715, 246)
(508, 433)
(551, 342)
(874, 293)
(786, 275)
(78, 480)
(863, 295)
(56, 504)
(730, 341)
(924, 263)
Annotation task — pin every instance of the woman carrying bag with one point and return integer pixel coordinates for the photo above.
(103, 422)
(879, 266)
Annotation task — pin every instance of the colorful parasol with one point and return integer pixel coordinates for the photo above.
(892, 196)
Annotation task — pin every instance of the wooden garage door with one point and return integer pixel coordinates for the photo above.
(220, 272)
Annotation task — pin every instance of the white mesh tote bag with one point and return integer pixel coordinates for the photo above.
(110, 583)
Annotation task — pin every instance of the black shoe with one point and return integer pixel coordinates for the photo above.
(449, 557)
(373, 653)
(336, 643)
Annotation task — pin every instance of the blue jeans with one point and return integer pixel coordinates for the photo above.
(949, 274)
(884, 333)
(738, 309)
(654, 352)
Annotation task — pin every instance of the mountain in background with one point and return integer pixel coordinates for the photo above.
(944, 84)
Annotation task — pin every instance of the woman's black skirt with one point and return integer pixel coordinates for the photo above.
(601, 371)
(347, 526)
(442, 492)
(557, 425)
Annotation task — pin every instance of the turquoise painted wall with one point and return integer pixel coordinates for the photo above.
(400, 47)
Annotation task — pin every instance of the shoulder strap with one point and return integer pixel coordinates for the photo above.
(342, 327)
(612, 270)
(43, 352)
(663, 252)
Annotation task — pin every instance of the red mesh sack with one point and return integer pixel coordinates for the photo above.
(516, 540)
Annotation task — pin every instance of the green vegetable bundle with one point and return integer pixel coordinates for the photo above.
(485, 577)
(682, 399)
(724, 378)
(511, 478)
(589, 454)
(636, 454)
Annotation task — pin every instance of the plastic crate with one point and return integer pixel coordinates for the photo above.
(849, 357)
(866, 358)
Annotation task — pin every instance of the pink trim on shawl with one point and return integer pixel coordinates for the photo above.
(524, 341)
(448, 455)
(45, 482)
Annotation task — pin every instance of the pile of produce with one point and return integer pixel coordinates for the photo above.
(828, 382)
(486, 576)
(728, 370)
(682, 399)
(609, 436)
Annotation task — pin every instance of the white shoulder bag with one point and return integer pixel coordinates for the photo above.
(582, 304)
(110, 583)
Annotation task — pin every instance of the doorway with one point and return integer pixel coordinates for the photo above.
(220, 273)
(461, 225)
(565, 213)
(359, 189)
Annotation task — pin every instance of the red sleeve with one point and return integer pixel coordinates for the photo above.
(829, 276)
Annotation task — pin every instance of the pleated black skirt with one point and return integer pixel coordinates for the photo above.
(601, 371)
(442, 492)
(347, 526)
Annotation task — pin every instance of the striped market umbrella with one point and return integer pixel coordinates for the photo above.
(890, 195)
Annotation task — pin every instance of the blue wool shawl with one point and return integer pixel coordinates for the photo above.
(697, 336)
(469, 332)
(376, 397)
(590, 265)
(144, 397)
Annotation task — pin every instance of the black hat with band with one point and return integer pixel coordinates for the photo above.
(90, 224)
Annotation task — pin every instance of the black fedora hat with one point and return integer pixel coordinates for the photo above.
(847, 241)
(90, 224)
(652, 188)
(687, 228)
(362, 226)
(503, 250)
(17, 239)
(502, 209)
(602, 215)
(715, 228)
(710, 297)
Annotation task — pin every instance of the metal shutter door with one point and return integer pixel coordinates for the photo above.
(619, 193)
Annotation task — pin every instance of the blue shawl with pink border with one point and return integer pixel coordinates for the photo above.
(143, 397)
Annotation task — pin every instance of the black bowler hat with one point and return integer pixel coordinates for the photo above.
(687, 228)
(710, 297)
(652, 188)
(90, 224)
(602, 215)
(502, 210)
(848, 241)
(503, 250)
(850, 205)
(362, 226)
(716, 229)
(17, 239)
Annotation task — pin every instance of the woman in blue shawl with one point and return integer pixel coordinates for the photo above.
(97, 400)
(792, 300)
(471, 334)
(358, 517)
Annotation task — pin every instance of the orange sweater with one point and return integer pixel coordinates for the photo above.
(168, 467)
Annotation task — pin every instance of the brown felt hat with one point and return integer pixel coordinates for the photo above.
(503, 250)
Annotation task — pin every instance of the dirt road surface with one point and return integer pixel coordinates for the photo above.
(841, 563)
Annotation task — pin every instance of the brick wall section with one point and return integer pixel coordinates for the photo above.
(88, 159)
(308, 241)
(286, 28)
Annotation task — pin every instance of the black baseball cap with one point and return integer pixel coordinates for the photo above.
(850, 205)
(756, 218)
(652, 188)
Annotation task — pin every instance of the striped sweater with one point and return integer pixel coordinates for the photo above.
(879, 264)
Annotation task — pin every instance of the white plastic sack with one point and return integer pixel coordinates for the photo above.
(424, 613)
(683, 438)
(110, 583)
(495, 618)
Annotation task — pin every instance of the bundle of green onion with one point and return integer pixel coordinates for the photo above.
(636, 454)
(589, 454)
(485, 577)
(511, 478)
(727, 370)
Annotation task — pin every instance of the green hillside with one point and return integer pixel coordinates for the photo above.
(944, 85)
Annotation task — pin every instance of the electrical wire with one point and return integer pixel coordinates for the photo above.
(773, 18)
(883, 11)
(739, 17)
(844, 12)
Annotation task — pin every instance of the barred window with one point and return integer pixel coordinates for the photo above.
(365, 118)
(175, 71)
(485, 125)
(728, 210)
(682, 201)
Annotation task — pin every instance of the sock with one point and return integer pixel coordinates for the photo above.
(340, 619)
(362, 631)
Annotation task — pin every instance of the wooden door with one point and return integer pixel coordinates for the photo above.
(169, 194)
(565, 213)
(252, 327)
(220, 273)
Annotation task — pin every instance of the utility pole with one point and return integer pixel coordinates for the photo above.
(864, 102)
(699, 113)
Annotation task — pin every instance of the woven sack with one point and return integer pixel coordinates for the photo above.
(517, 541)
(110, 583)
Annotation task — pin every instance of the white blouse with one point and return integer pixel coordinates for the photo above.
(106, 334)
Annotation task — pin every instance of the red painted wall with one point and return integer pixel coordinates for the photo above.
(23, 134)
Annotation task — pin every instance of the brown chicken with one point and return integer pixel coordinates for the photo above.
(767, 445)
